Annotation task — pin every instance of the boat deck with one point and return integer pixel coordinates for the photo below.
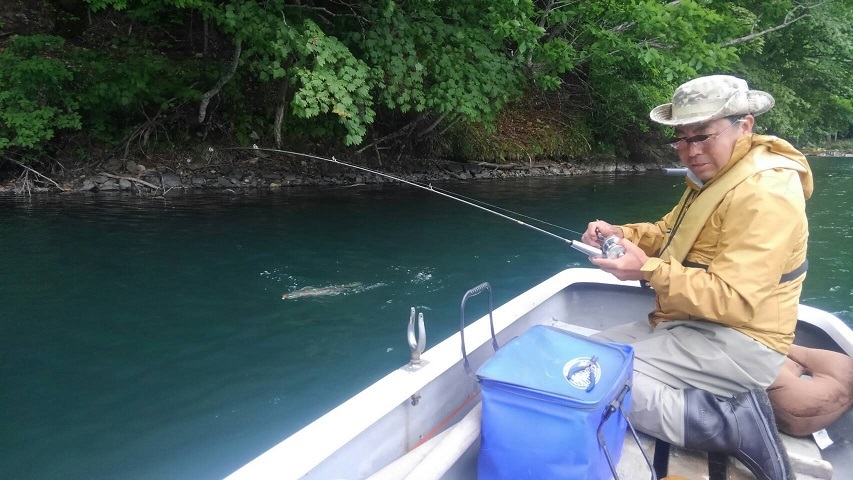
(424, 422)
(803, 452)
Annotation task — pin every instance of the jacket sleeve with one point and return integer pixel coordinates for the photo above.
(649, 236)
(760, 220)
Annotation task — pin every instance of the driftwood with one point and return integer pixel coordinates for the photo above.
(511, 166)
(30, 169)
(131, 179)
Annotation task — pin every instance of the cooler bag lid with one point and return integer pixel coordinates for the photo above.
(555, 363)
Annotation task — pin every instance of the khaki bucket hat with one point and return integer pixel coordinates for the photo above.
(708, 98)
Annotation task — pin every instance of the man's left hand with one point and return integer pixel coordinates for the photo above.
(626, 267)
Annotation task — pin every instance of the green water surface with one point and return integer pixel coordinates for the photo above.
(147, 338)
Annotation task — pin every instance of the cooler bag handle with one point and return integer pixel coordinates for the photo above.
(614, 405)
(470, 293)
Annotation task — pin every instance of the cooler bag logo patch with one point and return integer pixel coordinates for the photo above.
(582, 372)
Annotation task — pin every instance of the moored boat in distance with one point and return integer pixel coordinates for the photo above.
(675, 171)
(422, 420)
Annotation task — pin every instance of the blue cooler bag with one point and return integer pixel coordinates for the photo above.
(552, 407)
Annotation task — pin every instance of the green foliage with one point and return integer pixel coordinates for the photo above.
(807, 69)
(339, 69)
(120, 86)
(33, 99)
(326, 78)
(437, 57)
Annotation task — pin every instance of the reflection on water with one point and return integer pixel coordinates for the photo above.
(148, 338)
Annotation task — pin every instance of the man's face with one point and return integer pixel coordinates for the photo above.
(706, 159)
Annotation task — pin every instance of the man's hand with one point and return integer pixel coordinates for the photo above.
(590, 237)
(626, 267)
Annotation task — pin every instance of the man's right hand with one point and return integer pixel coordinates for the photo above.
(590, 237)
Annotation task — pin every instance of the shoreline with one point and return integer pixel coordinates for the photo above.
(262, 173)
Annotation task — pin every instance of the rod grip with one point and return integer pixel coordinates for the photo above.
(586, 249)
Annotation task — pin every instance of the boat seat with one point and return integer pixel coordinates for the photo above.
(814, 388)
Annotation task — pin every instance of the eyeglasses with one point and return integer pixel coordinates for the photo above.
(700, 139)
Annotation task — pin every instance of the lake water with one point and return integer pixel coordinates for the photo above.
(146, 338)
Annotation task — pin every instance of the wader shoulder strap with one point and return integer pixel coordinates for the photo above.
(710, 197)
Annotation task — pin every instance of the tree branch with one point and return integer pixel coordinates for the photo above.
(406, 130)
(763, 32)
(279, 111)
(786, 22)
(226, 76)
(36, 172)
(431, 126)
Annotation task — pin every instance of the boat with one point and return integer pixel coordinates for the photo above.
(679, 172)
(423, 419)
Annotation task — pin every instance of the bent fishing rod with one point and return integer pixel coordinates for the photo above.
(610, 247)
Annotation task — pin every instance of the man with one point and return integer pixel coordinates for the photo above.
(727, 265)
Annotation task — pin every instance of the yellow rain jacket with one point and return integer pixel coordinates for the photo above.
(733, 251)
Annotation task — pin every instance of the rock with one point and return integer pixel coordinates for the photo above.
(170, 180)
(197, 181)
(113, 165)
(88, 185)
(132, 167)
(110, 185)
(125, 184)
(150, 177)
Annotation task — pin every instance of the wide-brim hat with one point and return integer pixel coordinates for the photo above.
(708, 98)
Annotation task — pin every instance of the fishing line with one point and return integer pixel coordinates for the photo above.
(577, 245)
(496, 207)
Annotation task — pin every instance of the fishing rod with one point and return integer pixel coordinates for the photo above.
(610, 247)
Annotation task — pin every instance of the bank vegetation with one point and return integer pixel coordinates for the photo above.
(87, 81)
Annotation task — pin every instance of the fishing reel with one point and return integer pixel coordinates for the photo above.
(610, 247)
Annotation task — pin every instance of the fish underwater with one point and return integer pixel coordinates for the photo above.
(331, 290)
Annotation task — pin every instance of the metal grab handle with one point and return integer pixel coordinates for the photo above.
(616, 404)
(470, 293)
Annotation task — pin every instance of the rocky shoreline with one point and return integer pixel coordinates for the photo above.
(263, 173)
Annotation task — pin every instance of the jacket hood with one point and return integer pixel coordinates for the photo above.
(748, 143)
